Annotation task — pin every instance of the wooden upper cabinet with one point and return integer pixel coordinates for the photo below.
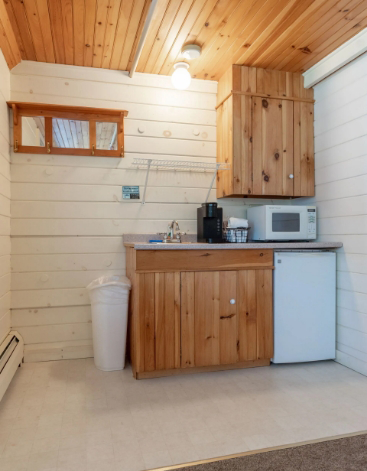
(265, 131)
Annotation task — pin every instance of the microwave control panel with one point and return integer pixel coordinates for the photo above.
(311, 222)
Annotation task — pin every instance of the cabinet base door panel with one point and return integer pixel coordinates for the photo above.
(255, 315)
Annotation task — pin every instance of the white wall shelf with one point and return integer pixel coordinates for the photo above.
(148, 164)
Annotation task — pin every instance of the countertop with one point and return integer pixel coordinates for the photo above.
(140, 242)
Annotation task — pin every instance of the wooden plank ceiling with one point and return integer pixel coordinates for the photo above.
(287, 35)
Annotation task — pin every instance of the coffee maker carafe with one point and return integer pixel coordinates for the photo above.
(209, 223)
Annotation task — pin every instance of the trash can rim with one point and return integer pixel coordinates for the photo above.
(111, 280)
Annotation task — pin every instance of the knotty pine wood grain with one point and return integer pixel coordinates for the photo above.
(261, 116)
(207, 311)
(247, 315)
(227, 318)
(8, 38)
(190, 260)
(276, 34)
(167, 321)
(187, 319)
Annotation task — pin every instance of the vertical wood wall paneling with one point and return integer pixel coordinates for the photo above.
(227, 317)
(247, 315)
(340, 160)
(146, 322)
(167, 321)
(207, 289)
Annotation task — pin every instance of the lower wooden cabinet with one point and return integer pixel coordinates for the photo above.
(186, 321)
(226, 317)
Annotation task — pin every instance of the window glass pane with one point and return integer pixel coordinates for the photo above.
(33, 131)
(286, 222)
(70, 133)
(106, 136)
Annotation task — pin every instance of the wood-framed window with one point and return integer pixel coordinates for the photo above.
(67, 130)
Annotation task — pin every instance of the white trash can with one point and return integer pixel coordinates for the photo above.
(109, 297)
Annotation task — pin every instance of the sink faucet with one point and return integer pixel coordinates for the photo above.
(174, 232)
(173, 235)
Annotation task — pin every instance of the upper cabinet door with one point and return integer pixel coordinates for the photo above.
(304, 164)
(265, 133)
(272, 138)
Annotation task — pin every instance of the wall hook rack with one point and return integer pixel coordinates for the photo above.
(148, 164)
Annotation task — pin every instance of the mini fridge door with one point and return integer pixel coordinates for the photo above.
(304, 306)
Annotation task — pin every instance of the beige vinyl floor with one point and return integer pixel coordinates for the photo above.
(69, 416)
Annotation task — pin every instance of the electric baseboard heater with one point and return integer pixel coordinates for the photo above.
(11, 356)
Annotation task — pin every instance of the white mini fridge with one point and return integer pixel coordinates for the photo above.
(304, 306)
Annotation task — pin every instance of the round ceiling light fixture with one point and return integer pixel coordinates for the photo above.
(191, 51)
(181, 77)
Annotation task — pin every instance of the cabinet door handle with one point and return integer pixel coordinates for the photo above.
(291, 176)
(232, 301)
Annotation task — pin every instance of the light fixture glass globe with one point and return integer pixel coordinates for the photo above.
(181, 77)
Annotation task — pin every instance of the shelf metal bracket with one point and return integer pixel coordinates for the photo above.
(212, 182)
(149, 163)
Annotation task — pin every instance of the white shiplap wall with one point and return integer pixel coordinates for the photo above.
(67, 214)
(4, 200)
(341, 198)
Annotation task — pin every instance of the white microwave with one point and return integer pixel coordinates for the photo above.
(273, 222)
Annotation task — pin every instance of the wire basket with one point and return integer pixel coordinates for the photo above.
(236, 235)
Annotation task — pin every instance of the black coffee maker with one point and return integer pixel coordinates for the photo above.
(210, 222)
